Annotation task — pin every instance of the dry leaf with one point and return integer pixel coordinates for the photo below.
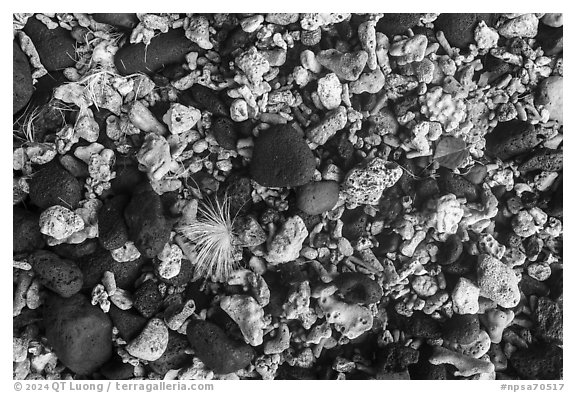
(451, 152)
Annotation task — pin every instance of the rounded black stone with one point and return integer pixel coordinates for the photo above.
(281, 158)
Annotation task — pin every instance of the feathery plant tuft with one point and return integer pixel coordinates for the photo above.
(213, 237)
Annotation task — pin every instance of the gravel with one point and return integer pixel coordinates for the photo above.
(386, 195)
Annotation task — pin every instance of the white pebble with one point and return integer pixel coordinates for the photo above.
(127, 253)
(330, 91)
(109, 282)
(239, 110)
(152, 341)
(170, 261)
(174, 322)
(465, 297)
(180, 118)
(200, 146)
(224, 165)
(539, 271)
(85, 152)
(60, 222)
(251, 23)
(122, 299)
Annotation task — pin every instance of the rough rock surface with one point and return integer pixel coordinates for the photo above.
(281, 158)
(75, 328)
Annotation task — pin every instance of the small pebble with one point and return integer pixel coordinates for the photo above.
(347, 66)
(330, 91)
(317, 197)
(151, 342)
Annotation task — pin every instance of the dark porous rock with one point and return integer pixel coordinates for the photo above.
(112, 229)
(425, 190)
(43, 89)
(224, 132)
(59, 275)
(532, 246)
(511, 138)
(281, 158)
(496, 67)
(395, 357)
(147, 299)
(170, 72)
(461, 329)
(390, 205)
(22, 88)
(225, 322)
(394, 24)
(406, 185)
(147, 224)
(249, 232)
(76, 251)
(510, 239)
(174, 356)
(450, 250)
(53, 185)
(343, 150)
(205, 182)
(76, 167)
(538, 362)
(123, 20)
(79, 333)
(556, 205)
(556, 285)
(277, 296)
(236, 39)
(551, 39)
(383, 375)
(388, 241)
(26, 317)
(317, 197)
(116, 369)
(428, 371)
(544, 160)
(310, 220)
(405, 104)
(459, 28)
(184, 276)
(56, 47)
(170, 201)
(355, 222)
(422, 325)
(94, 265)
(26, 234)
(549, 322)
(529, 199)
(127, 178)
(451, 183)
(476, 174)
(164, 49)
(128, 322)
(499, 192)
(207, 99)
(287, 372)
(358, 288)
(463, 265)
(126, 272)
(216, 349)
